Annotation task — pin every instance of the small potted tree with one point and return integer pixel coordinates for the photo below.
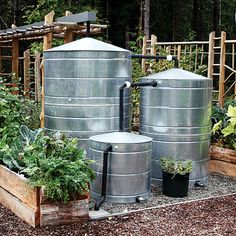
(175, 176)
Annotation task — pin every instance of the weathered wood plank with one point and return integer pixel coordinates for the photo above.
(27, 73)
(15, 63)
(222, 167)
(17, 185)
(56, 214)
(222, 154)
(28, 214)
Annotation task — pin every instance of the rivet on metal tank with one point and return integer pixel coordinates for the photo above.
(129, 166)
(176, 114)
(82, 80)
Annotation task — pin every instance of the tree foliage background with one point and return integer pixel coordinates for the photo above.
(173, 20)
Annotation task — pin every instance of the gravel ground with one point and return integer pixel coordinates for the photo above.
(213, 216)
(218, 185)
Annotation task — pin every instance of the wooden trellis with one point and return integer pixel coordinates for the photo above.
(218, 54)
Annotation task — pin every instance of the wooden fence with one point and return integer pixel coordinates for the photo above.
(217, 54)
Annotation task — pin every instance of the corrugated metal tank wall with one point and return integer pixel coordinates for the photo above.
(82, 80)
(176, 114)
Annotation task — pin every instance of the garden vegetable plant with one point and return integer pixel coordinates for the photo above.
(52, 162)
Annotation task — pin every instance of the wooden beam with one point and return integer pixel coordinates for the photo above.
(222, 69)
(153, 45)
(224, 168)
(47, 43)
(222, 154)
(211, 54)
(0, 59)
(28, 214)
(27, 73)
(144, 52)
(179, 54)
(37, 77)
(76, 211)
(15, 63)
(18, 186)
(69, 36)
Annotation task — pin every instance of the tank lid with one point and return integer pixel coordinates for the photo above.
(176, 73)
(120, 137)
(87, 44)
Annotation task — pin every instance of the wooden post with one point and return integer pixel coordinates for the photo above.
(69, 35)
(233, 66)
(202, 55)
(27, 73)
(15, 63)
(222, 69)
(153, 44)
(211, 54)
(0, 59)
(144, 52)
(37, 77)
(179, 54)
(47, 39)
(196, 55)
(47, 43)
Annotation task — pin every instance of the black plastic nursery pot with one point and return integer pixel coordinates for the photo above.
(175, 185)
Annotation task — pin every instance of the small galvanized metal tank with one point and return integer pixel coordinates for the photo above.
(129, 166)
(82, 80)
(177, 115)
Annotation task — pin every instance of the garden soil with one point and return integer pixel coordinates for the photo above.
(213, 216)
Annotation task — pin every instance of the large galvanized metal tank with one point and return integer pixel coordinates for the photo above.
(177, 115)
(129, 166)
(82, 80)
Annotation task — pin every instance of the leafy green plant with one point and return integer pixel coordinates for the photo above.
(15, 110)
(52, 162)
(224, 128)
(175, 166)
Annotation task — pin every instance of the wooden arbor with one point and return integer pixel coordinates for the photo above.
(66, 28)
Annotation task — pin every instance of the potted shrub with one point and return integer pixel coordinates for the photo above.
(175, 176)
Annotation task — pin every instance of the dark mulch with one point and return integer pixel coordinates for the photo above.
(215, 216)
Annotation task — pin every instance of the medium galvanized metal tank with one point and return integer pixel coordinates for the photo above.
(129, 166)
(82, 80)
(177, 115)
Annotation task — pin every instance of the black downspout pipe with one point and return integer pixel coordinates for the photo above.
(127, 84)
(98, 203)
(169, 58)
(87, 28)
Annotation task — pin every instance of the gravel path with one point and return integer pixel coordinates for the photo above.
(218, 185)
(204, 212)
(215, 216)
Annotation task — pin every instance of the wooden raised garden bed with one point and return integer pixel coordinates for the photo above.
(29, 204)
(222, 161)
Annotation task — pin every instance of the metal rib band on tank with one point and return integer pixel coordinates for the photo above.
(176, 114)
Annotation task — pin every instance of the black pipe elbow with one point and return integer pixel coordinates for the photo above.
(144, 84)
(98, 203)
